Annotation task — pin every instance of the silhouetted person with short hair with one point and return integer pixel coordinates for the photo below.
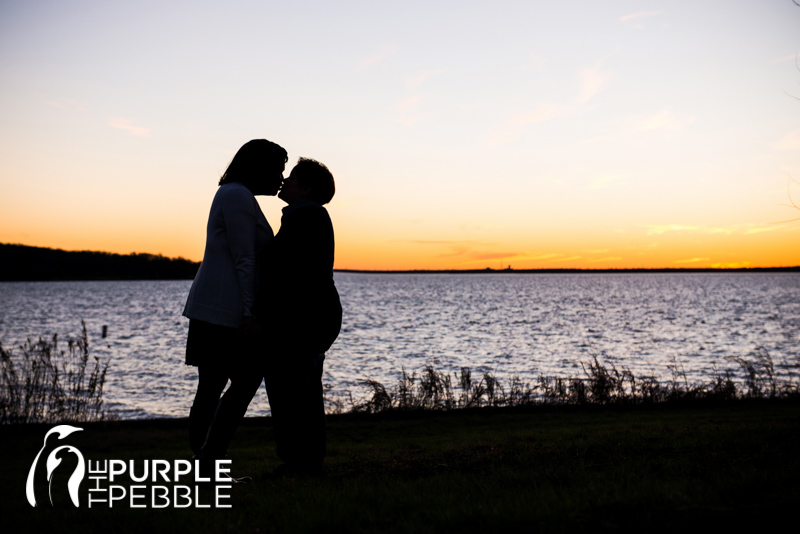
(302, 315)
(221, 301)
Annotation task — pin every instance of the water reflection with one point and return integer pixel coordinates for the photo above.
(510, 324)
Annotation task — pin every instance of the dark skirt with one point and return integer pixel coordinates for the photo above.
(218, 346)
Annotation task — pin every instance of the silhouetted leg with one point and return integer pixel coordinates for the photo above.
(278, 381)
(230, 412)
(294, 386)
(210, 384)
(319, 434)
(311, 432)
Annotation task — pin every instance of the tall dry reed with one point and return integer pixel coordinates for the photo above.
(601, 384)
(46, 384)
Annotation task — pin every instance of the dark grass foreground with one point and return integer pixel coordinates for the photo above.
(647, 468)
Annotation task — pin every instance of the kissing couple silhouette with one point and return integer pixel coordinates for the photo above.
(264, 306)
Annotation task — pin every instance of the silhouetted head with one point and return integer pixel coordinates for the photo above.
(308, 179)
(259, 165)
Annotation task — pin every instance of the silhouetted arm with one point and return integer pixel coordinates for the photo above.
(240, 227)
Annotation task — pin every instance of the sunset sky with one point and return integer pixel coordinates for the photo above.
(462, 135)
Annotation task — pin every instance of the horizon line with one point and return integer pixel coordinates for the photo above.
(509, 269)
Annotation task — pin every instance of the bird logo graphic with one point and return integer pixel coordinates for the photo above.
(53, 461)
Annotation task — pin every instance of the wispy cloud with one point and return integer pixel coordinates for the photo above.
(552, 257)
(693, 260)
(428, 242)
(790, 141)
(592, 80)
(658, 229)
(516, 123)
(663, 120)
(760, 229)
(467, 250)
(736, 229)
(407, 110)
(790, 57)
(470, 255)
(494, 255)
(454, 251)
(378, 57)
(419, 77)
(634, 18)
(125, 124)
(608, 259)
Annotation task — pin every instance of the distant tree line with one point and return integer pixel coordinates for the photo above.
(23, 263)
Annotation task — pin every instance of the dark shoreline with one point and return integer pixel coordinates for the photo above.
(685, 406)
(22, 263)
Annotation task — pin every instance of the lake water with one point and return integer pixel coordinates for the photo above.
(522, 325)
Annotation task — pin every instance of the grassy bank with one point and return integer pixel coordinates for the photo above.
(730, 465)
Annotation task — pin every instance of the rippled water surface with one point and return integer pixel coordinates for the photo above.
(509, 324)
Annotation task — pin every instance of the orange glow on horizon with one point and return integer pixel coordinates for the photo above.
(650, 248)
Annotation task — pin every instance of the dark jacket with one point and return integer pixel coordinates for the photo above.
(298, 304)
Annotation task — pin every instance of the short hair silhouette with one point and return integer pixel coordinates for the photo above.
(248, 165)
(313, 174)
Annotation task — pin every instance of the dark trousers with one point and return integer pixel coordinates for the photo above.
(294, 386)
(210, 384)
(229, 414)
(220, 354)
(214, 420)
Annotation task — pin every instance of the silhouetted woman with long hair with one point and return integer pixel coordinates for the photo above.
(222, 296)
